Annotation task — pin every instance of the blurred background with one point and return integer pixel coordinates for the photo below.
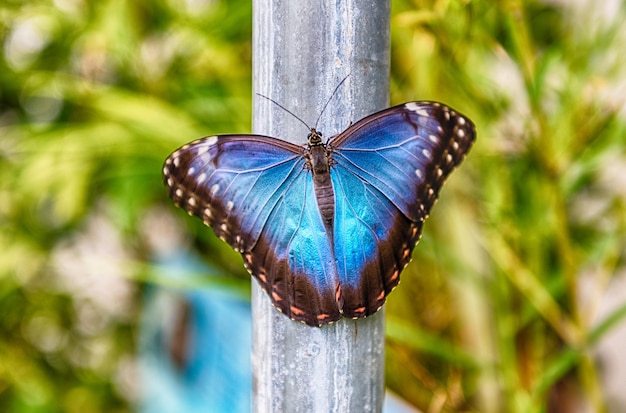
(516, 297)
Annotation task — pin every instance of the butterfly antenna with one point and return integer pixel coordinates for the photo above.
(331, 98)
(321, 113)
(285, 109)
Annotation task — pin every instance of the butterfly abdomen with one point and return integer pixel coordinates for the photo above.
(325, 200)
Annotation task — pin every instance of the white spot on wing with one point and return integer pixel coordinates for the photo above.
(460, 120)
(191, 171)
(419, 174)
(203, 149)
(426, 153)
(229, 205)
(176, 161)
(214, 189)
(179, 192)
(191, 201)
(433, 138)
(201, 178)
(414, 107)
(211, 141)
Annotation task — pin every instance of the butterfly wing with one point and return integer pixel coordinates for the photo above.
(257, 195)
(388, 169)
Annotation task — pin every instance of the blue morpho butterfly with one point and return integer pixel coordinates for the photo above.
(325, 228)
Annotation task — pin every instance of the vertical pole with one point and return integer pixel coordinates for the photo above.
(302, 49)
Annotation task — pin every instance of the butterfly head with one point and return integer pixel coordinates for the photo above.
(315, 138)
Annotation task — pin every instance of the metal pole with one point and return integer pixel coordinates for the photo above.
(302, 49)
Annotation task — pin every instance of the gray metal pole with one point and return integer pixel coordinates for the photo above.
(302, 49)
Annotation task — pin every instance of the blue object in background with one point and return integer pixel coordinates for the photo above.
(194, 347)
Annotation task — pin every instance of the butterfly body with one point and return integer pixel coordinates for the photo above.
(325, 228)
(318, 161)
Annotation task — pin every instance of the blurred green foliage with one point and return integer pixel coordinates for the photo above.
(502, 309)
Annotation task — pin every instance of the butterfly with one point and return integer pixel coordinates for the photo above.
(326, 227)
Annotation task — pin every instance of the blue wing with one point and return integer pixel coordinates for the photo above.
(387, 171)
(257, 195)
